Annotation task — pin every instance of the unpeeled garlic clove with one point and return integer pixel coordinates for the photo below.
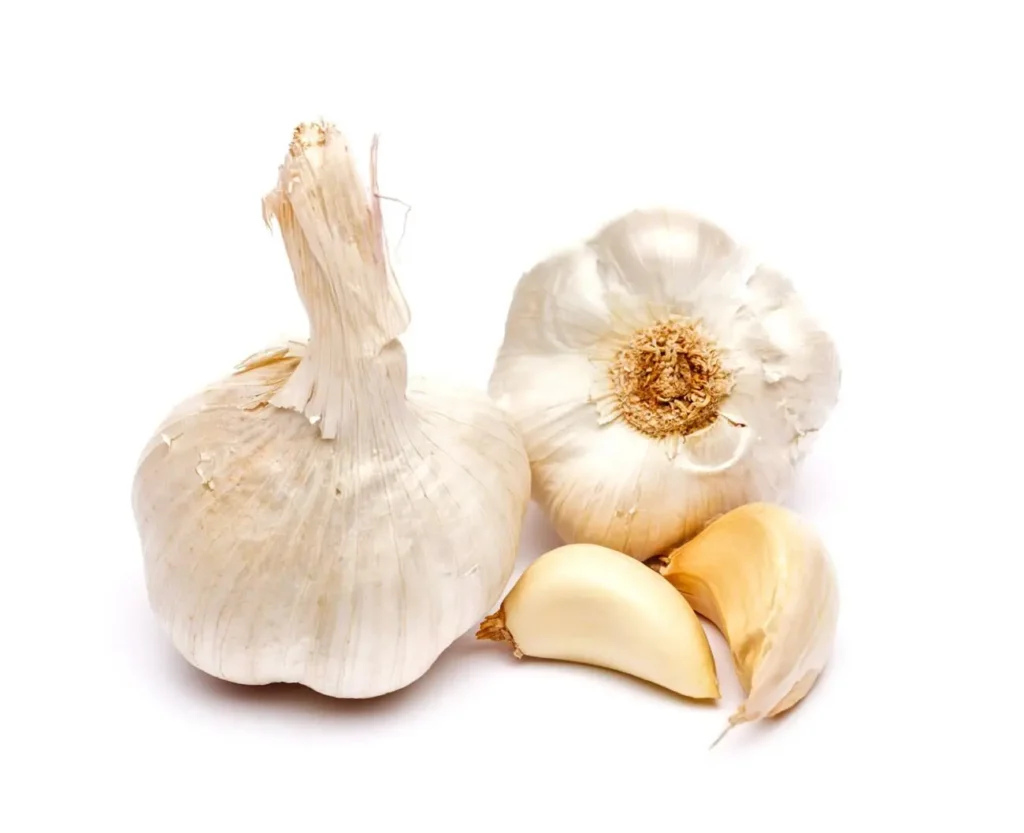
(592, 605)
(765, 579)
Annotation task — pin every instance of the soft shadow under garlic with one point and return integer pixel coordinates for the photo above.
(537, 537)
(630, 686)
(297, 700)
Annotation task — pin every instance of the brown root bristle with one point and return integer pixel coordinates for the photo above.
(668, 380)
(308, 135)
(493, 628)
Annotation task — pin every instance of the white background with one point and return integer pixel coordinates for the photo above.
(872, 152)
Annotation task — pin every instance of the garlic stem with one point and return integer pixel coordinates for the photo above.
(333, 234)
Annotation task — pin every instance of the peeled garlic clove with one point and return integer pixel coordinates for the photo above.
(765, 579)
(314, 518)
(589, 604)
(660, 376)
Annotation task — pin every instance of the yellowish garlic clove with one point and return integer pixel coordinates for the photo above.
(765, 579)
(592, 605)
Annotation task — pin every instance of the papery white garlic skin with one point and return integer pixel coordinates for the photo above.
(572, 319)
(312, 518)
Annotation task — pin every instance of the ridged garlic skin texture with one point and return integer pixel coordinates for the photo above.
(313, 518)
(272, 554)
(660, 377)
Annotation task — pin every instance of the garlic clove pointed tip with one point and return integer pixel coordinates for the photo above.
(729, 727)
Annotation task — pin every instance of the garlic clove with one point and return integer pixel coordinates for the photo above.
(592, 605)
(661, 254)
(765, 579)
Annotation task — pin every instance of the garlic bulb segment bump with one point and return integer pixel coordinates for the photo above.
(660, 376)
(763, 577)
(591, 605)
(314, 517)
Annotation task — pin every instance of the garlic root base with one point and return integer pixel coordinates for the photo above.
(493, 628)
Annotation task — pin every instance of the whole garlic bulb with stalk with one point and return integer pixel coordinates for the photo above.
(311, 518)
(660, 377)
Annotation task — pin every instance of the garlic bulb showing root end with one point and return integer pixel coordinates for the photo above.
(591, 605)
(312, 518)
(660, 377)
(765, 580)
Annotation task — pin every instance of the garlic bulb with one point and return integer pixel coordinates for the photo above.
(660, 377)
(309, 519)
(766, 581)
